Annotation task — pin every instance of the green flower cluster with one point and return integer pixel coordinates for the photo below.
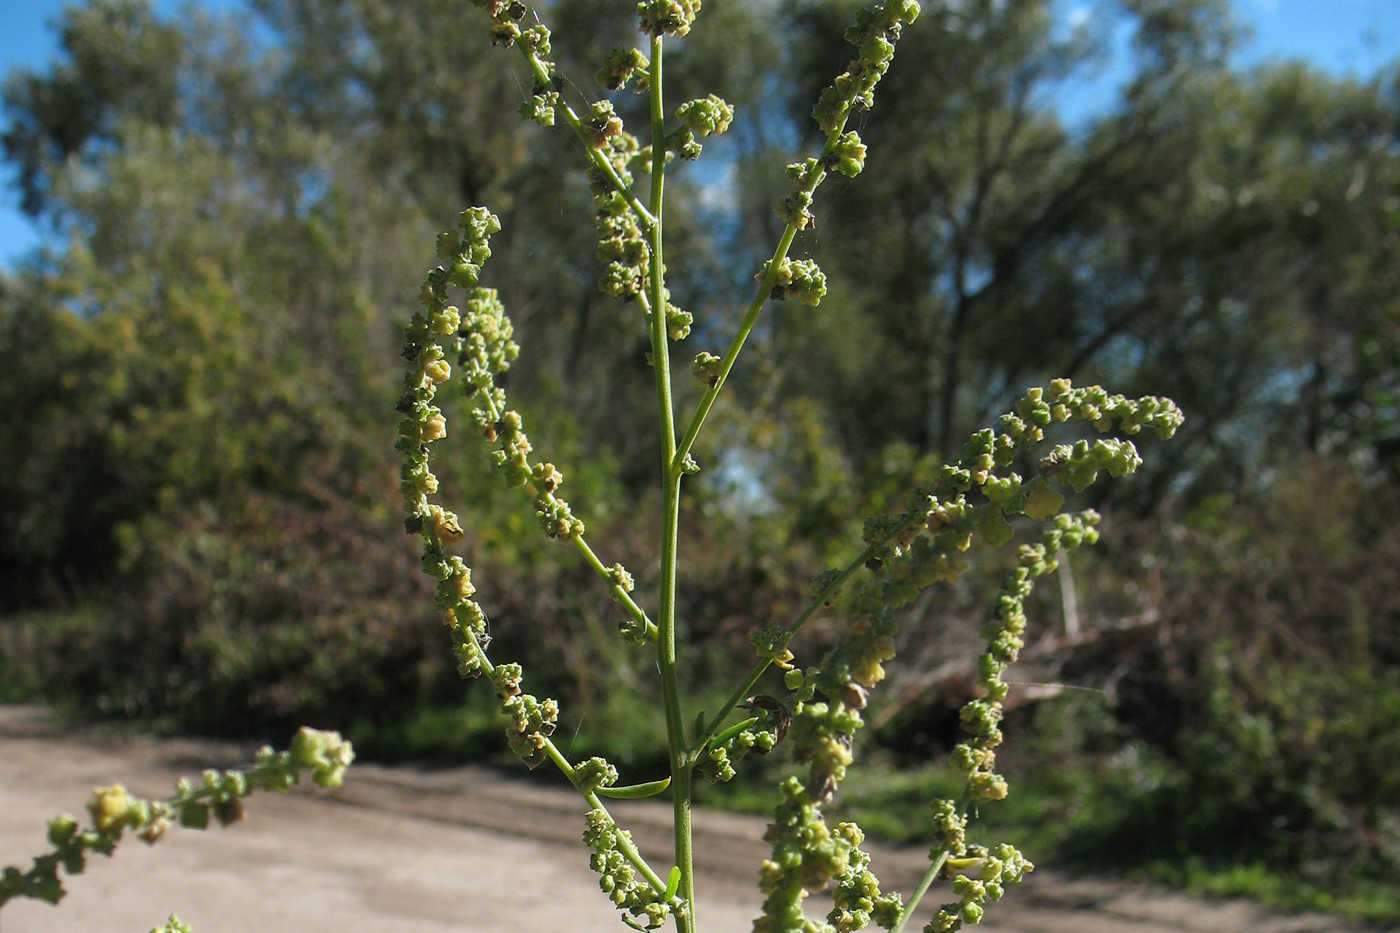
(771, 642)
(796, 209)
(874, 34)
(594, 773)
(534, 41)
(705, 116)
(646, 909)
(718, 763)
(808, 854)
(622, 244)
(757, 734)
(698, 117)
(667, 17)
(506, 30)
(609, 148)
(799, 278)
(531, 721)
(113, 810)
(857, 895)
(846, 155)
(173, 925)
(876, 30)
(995, 869)
(926, 544)
(677, 321)
(823, 736)
(622, 66)
(707, 367)
(480, 340)
(602, 124)
(981, 718)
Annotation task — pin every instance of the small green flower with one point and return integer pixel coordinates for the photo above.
(847, 156)
(110, 808)
(670, 17)
(708, 115)
(707, 368)
(620, 67)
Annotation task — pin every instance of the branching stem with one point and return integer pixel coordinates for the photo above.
(760, 298)
(671, 483)
(595, 156)
(709, 736)
(624, 843)
(622, 596)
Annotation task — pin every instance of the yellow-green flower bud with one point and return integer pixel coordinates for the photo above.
(446, 526)
(109, 807)
(437, 371)
(434, 428)
(444, 323)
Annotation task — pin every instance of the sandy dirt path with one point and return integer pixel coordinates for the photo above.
(465, 849)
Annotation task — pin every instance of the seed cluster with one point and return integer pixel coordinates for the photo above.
(981, 875)
(874, 34)
(645, 908)
(977, 495)
(323, 756)
(480, 341)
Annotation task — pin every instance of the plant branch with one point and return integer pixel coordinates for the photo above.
(707, 401)
(621, 594)
(709, 736)
(671, 482)
(624, 843)
(746, 325)
(929, 877)
(595, 156)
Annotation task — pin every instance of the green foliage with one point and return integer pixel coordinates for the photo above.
(1279, 733)
(235, 627)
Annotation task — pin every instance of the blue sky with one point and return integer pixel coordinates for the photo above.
(1341, 36)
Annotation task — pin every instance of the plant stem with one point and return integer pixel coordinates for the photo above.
(671, 483)
(760, 298)
(621, 595)
(920, 891)
(707, 401)
(624, 843)
(930, 876)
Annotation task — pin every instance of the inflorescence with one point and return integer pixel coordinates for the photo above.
(481, 343)
(977, 496)
(323, 756)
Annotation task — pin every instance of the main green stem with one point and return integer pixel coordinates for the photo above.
(671, 488)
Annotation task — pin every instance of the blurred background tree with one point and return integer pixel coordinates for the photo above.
(196, 473)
